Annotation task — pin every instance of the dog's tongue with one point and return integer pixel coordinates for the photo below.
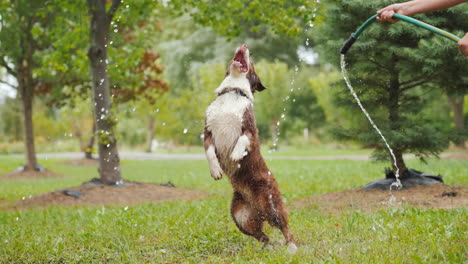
(243, 68)
(237, 64)
(240, 66)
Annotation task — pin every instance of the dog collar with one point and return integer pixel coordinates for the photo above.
(236, 90)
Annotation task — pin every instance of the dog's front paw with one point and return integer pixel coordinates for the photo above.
(240, 150)
(216, 172)
(238, 155)
(213, 162)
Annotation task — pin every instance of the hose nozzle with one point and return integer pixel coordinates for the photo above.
(348, 44)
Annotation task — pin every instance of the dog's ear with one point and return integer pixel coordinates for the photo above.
(259, 85)
(254, 80)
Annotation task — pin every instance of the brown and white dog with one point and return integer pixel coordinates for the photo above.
(232, 148)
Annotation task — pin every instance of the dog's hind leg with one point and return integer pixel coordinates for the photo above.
(277, 216)
(247, 219)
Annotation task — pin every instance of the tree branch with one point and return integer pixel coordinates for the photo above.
(418, 79)
(380, 65)
(9, 84)
(4, 64)
(115, 5)
(414, 84)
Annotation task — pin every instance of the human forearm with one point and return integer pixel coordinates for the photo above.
(415, 7)
(422, 6)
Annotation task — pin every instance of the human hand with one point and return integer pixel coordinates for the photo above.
(386, 14)
(463, 45)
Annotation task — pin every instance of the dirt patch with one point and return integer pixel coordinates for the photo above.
(97, 195)
(435, 196)
(83, 162)
(18, 175)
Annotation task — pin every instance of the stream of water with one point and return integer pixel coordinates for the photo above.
(397, 184)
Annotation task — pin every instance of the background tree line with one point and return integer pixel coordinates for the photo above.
(166, 58)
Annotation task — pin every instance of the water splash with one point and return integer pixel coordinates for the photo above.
(397, 184)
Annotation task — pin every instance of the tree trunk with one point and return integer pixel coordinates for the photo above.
(394, 116)
(26, 90)
(27, 94)
(109, 162)
(150, 135)
(458, 118)
(89, 147)
(79, 136)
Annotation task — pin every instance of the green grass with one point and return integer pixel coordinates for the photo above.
(203, 232)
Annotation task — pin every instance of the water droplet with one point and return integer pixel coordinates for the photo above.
(238, 166)
(103, 109)
(283, 116)
(185, 130)
(111, 42)
(126, 208)
(108, 145)
(307, 42)
(164, 123)
(116, 30)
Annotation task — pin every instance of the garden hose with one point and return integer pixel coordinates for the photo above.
(354, 36)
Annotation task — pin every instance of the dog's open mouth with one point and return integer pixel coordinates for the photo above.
(239, 59)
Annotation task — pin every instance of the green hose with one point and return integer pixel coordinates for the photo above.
(354, 36)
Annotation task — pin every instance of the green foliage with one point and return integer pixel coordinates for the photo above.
(234, 17)
(154, 233)
(384, 57)
(302, 108)
(11, 127)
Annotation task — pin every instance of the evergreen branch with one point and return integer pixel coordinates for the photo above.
(414, 84)
(420, 78)
(380, 65)
(4, 64)
(9, 84)
(113, 9)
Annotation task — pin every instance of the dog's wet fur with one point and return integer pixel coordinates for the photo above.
(232, 148)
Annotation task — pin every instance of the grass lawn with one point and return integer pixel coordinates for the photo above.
(203, 232)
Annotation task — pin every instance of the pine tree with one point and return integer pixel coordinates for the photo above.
(392, 85)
